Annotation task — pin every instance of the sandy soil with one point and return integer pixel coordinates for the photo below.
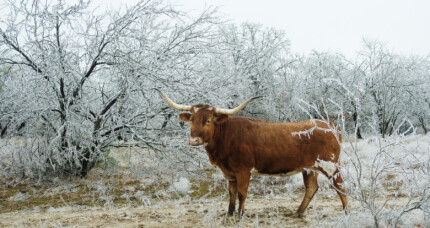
(260, 212)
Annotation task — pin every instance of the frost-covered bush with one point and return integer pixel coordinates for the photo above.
(389, 177)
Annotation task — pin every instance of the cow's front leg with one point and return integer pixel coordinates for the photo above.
(232, 189)
(242, 189)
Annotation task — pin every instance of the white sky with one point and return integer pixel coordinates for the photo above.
(330, 25)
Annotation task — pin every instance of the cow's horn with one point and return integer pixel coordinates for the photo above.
(235, 110)
(173, 104)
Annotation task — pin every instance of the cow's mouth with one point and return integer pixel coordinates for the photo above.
(195, 141)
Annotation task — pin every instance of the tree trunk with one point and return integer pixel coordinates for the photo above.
(423, 124)
(358, 132)
(3, 131)
(87, 161)
(166, 120)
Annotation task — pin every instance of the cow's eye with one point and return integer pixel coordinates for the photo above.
(208, 121)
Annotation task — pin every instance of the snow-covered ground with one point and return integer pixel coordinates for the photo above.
(387, 180)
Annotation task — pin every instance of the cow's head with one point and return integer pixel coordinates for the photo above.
(203, 118)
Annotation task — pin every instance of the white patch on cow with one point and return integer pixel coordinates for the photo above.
(196, 110)
(255, 172)
(210, 108)
(332, 157)
(326, 166)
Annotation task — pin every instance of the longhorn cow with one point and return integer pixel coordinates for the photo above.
(241, 147)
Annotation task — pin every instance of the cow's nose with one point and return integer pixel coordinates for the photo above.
(195, 141)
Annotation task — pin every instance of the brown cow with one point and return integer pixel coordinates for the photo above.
(241, 146)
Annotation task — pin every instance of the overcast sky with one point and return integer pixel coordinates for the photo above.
(331, 25)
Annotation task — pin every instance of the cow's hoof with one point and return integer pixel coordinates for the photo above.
(230, 210)
(346, 210)
(298, 215)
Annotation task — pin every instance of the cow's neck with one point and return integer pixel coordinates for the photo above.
(214, 147)
(212, 152)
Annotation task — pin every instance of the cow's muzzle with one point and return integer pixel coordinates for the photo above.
(195, 141)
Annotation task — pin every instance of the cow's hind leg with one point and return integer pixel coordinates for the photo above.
(311, 184)
(337, 184)
(232, 189)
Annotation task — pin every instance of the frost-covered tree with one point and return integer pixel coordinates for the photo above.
(387, 78)
(78, 79)
(418, 95)
(315, 70)
(249, 61)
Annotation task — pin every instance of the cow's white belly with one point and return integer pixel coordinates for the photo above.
(255, 172)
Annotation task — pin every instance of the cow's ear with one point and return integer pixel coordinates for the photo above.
(185, 117)
(220, 118)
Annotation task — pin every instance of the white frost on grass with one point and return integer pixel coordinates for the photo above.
(182, 186)
(19, 197)
(143, 198)
(59, 209)
(416, 218)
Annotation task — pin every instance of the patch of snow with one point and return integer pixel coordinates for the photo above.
(182, 186)
(416, 218)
